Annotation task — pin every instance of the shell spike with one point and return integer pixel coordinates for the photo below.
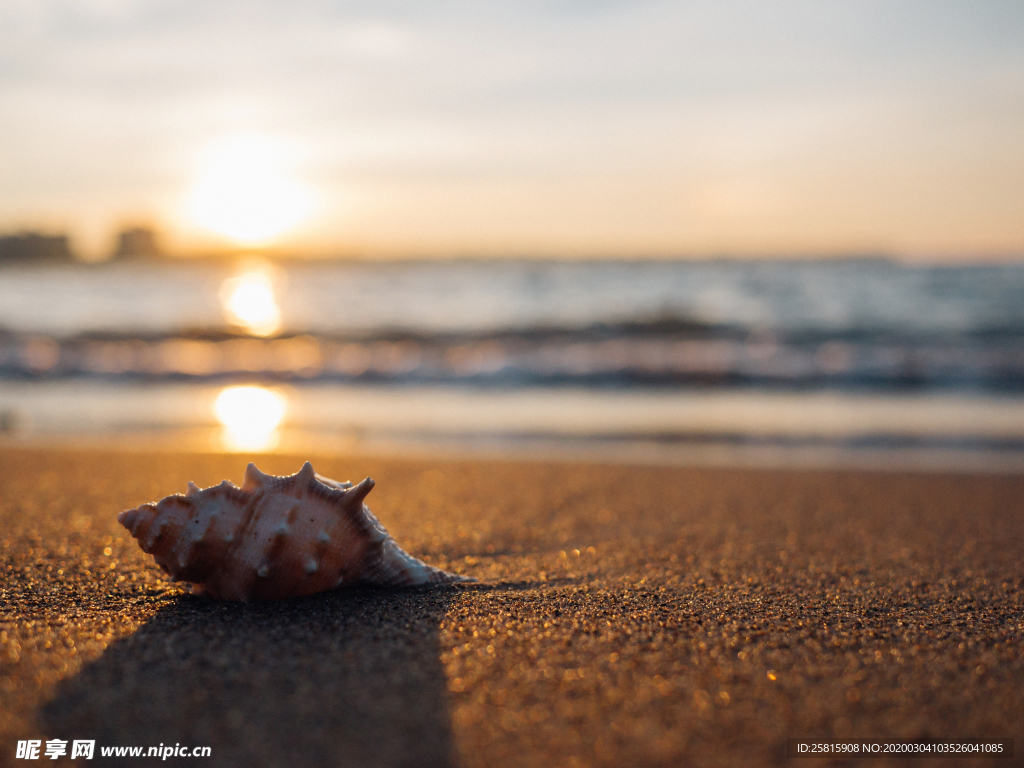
(306, 474)
(253, 478)
(193, 489)
(357, 493)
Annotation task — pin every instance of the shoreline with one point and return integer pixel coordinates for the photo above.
(628, 451)
(922, 432)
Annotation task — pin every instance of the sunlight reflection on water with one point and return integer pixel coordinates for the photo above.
(250, 416)
(249, 300)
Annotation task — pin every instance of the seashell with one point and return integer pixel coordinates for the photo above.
(275, 537)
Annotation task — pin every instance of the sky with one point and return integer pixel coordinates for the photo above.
(541, 127)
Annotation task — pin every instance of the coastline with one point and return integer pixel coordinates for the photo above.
(710, 614)
(961, 432)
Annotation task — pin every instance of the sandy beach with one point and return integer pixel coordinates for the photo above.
(625, 616)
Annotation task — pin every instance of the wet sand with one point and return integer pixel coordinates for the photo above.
(626, 616)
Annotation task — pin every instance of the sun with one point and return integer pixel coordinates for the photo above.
(246, 190)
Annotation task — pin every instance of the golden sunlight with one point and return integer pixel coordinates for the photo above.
(249, 416)
(249, 301)
(246, 190)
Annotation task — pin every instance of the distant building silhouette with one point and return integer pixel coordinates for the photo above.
(33, 246)
(136, 241)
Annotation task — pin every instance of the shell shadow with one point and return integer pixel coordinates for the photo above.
(345, 678)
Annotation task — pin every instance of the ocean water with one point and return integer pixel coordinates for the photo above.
(807, 355)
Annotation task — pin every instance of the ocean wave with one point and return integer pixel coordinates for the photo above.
(660, 351)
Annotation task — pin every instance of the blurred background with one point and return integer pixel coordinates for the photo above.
(785, 232)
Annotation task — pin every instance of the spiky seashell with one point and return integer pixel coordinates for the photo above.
(275, 537)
